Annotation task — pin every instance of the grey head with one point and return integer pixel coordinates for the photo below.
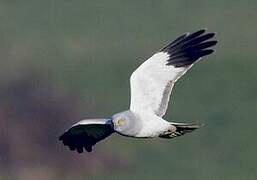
(126, 123)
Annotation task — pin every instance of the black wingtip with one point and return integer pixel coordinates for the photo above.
(76, 144)
(84, 137)
(190, 47)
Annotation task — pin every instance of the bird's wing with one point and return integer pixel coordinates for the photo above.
(85, 134)
(151, 83)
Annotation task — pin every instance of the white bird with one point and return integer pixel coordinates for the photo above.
(151, 85)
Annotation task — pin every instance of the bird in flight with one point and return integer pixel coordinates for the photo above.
(151, 85)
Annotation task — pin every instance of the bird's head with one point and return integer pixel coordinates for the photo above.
(125, 123)
(120, 123)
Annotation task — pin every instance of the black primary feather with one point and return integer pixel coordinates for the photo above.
(81, 136)
(188, 48)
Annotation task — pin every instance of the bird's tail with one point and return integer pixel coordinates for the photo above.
(180, 129)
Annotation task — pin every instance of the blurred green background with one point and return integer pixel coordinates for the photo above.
(62, 61)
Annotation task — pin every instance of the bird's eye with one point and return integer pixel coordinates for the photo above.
(120, 122)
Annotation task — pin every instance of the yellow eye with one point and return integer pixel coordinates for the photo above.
(120, 122)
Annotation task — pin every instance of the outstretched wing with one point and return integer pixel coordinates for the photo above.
(85, 134)
(151, 83)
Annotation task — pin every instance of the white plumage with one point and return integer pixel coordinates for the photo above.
(151, 85)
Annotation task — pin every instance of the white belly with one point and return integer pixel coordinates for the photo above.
(153, 126)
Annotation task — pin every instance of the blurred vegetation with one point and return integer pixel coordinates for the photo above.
(63, 61)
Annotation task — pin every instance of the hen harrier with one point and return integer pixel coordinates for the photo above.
(151, 84)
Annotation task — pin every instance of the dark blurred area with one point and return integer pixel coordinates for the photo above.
(32, 114)
(63, 61)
